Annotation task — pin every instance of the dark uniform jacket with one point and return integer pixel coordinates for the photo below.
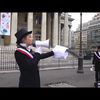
(96, 61)
(28, 66)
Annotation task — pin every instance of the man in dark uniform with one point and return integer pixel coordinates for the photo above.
(28, 60)
(96, 64)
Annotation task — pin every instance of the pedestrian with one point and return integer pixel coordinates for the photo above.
(28, 60)
(96, 65)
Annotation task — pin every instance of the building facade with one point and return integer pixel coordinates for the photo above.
(94, 32)
(90, 35)
(54, 26)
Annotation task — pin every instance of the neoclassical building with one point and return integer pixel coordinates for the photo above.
(54, 26)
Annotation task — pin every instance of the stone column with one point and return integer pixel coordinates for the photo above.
(55, 30)
(69, 43)
(49, 27)
(30, 22)
(43, 27)
(59, 28)
(66, 30)
(14, 27)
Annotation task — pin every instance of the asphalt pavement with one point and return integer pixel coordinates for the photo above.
(52, 78)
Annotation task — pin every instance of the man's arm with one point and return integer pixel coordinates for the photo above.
(46, 55)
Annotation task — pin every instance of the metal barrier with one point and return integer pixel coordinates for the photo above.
(8, 63)
(7, 60)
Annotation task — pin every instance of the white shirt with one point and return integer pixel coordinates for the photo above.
(24, 45)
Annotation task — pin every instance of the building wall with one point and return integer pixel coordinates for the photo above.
(22, 22)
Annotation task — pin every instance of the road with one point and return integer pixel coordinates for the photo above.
(69, 76)
(51, 77)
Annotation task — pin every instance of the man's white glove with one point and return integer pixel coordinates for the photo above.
(39, 50)
(60, 52)
(60, 55)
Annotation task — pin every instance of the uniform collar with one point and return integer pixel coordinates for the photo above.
(97, 54)
(25, 46)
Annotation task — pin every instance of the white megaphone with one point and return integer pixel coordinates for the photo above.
(39, 43)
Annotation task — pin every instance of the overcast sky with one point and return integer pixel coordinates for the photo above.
(85, 18)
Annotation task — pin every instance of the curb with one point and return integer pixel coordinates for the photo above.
(45, 69)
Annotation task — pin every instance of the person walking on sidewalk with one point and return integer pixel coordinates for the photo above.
(96, 65)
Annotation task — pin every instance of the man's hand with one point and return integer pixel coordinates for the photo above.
(60, 52)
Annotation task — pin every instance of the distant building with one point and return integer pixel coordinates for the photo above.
(94, 32)
(84, 37)
(90, 34)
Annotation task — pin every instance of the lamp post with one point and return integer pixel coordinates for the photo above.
(80, 59)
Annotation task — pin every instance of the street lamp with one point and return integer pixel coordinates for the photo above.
(80, 58)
